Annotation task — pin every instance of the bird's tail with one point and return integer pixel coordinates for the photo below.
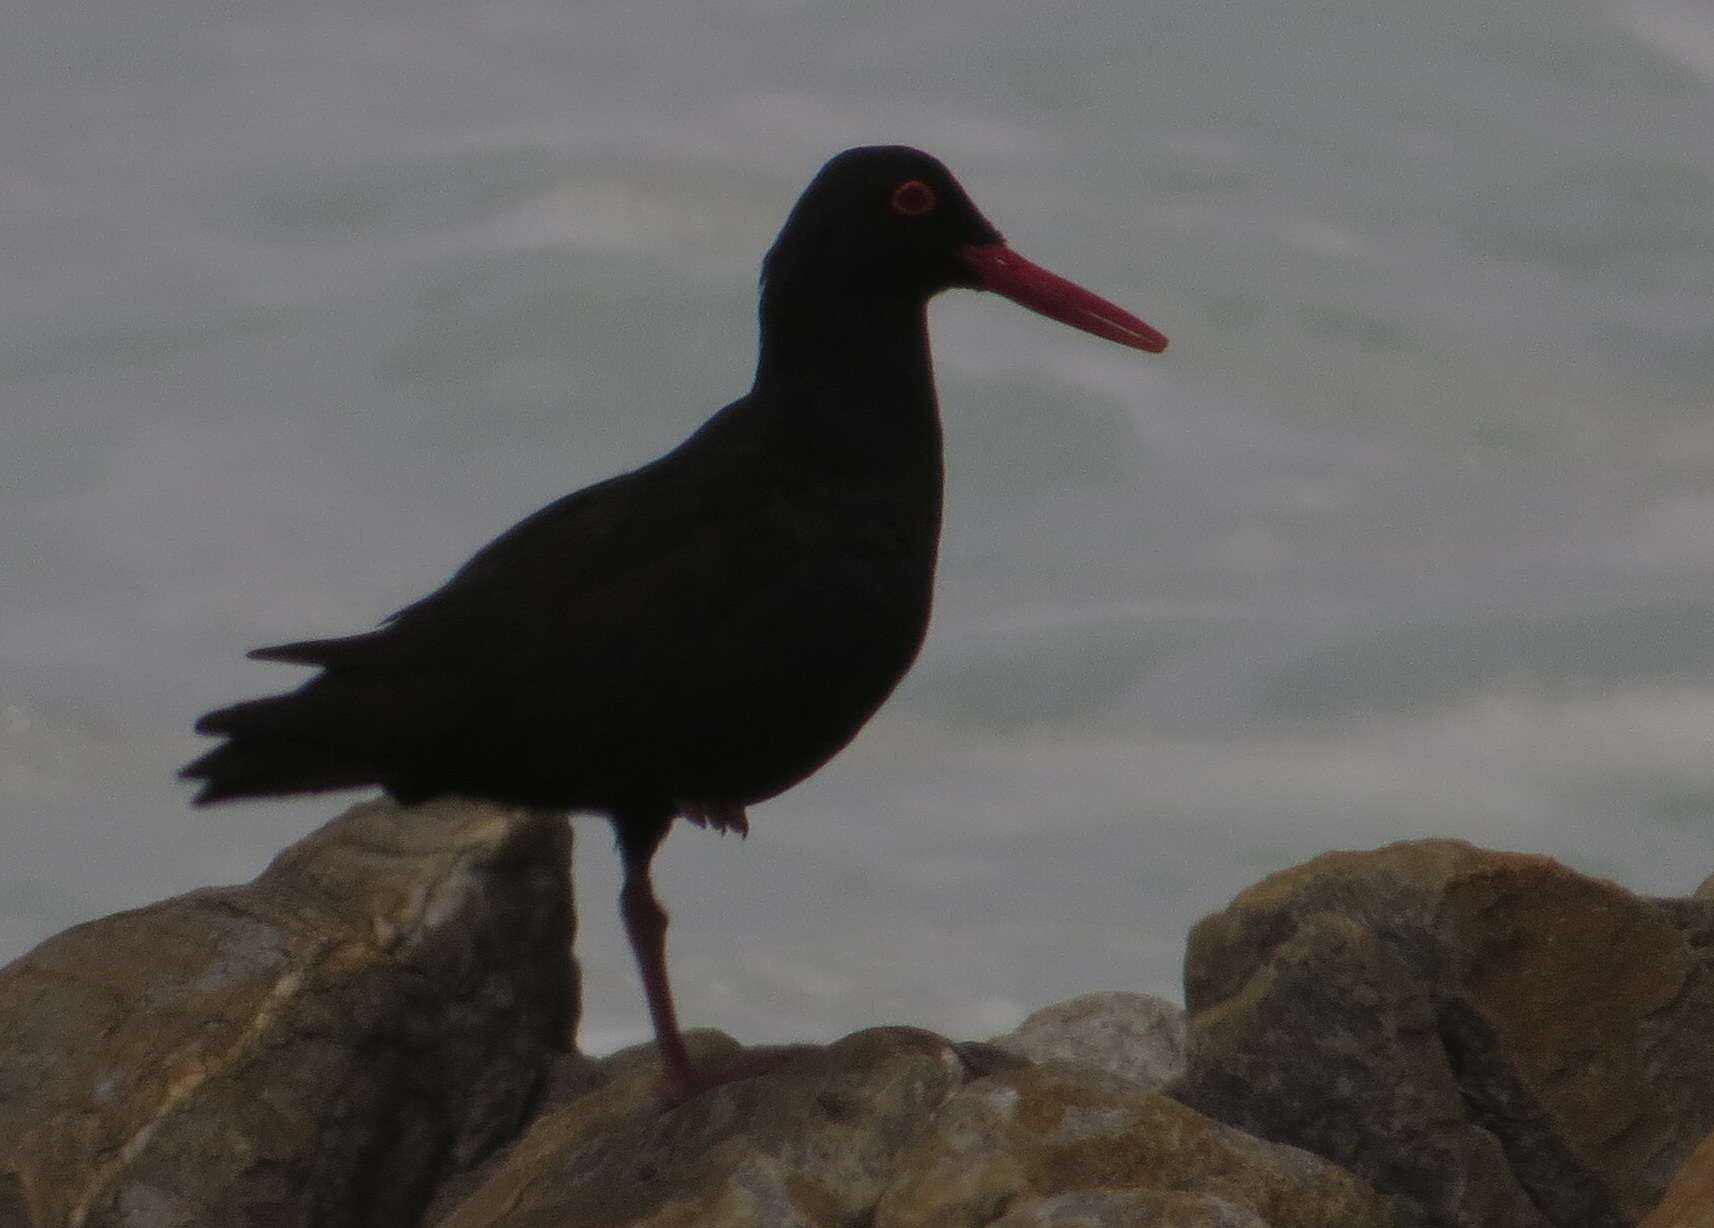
(292, 743)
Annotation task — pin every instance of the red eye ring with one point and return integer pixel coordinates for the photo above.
(912, 198)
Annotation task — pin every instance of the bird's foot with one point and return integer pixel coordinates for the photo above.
(720, 816)
(673, 1090)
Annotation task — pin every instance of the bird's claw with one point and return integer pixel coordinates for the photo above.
(721, 817)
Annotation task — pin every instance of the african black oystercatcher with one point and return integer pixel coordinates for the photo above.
(705, 631)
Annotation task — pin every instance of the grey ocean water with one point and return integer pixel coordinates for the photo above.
(1410, 532)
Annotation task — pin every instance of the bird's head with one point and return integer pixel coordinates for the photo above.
(888, 221)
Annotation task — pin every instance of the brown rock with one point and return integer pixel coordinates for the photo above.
(1128, 1209)
(1689, 1201)
(1136, 1036)
(315, 1047)
(1037, 1132)
(1504, 1041)
(809, 1142)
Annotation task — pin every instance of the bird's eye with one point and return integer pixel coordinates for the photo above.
(912, 198)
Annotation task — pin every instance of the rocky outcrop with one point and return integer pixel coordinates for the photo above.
(1507, 1043)
(318, 1047)
(897, 1128)
(377, 1032)
(1135, 1036)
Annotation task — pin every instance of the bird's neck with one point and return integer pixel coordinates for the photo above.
(854, 385)
(854, 352)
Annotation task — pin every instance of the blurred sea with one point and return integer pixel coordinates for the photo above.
(1411, 532)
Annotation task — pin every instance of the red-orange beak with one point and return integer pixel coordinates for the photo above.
(996, 267)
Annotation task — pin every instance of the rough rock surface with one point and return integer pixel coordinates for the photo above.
(810, 1142)
(1689, 1200)
(1508, 1043)
(891, 1128)
(1034, 1132)
(1128, 1209)
(1454, 1038)
(317, 1047)
(1135, 1036)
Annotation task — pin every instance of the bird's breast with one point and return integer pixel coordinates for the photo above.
(823, 607)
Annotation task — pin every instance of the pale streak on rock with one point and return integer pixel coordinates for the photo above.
(325, 1045)
(181, 1088)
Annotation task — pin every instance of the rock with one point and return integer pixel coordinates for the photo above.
(809, 1142)
(1689, 1200)
(1508, 1043)
(319, 1046)
(1128, 1209)
(889, 1127)
(1024, 1137)
(13, 1212)
(1460, 1037)
(1135, 1036)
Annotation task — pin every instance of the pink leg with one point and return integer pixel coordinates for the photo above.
(646, 924)
(640, 833)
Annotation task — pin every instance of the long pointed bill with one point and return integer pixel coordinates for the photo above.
(996, 267)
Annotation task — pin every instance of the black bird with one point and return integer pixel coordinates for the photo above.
(706, 631)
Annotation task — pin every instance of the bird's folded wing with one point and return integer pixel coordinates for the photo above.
(621, 567)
